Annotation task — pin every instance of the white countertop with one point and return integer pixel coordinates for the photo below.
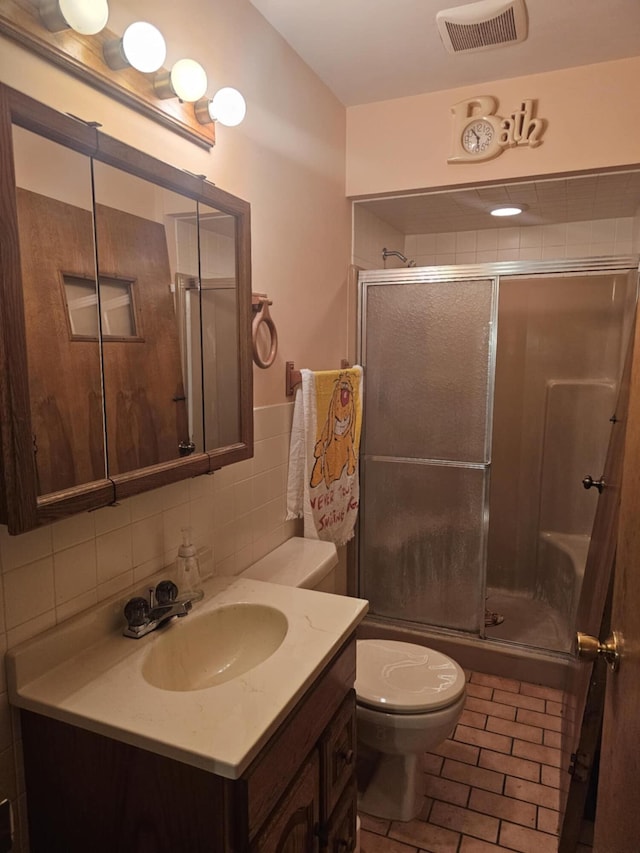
(84, 672)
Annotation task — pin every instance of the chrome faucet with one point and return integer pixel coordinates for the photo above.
(164, 603)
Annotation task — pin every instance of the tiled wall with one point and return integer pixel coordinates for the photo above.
(599, 237)
(237, 515)
(527, 243)
(370, 236)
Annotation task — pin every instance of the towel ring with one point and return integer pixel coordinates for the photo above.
(260, 305)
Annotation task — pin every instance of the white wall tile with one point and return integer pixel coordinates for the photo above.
(147, 538)
(23, 549)
(71, 531)
(445, 243)
(114, 552)
(508, 238)
(112, 517)
(74, 570)
(487, 240)
(28, 592)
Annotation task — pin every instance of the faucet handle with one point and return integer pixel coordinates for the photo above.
(136, 612)
(166, 592)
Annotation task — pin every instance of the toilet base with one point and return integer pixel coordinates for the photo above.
(394, 791)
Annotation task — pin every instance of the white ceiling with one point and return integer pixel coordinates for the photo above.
(371, 50)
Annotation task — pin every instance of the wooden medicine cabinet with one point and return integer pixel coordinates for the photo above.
(125, 312)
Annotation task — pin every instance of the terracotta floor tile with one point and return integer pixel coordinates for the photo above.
(516, 730)
(511, 766)
(474, 845)
(506, 808)
(541, 692)
(519, 700)
(426, 836)
(372, 843)
(473, 719)
(480, 691)
(465, 821)
(548, 820)
(556, 708)
(495, 709)
(533, 718)
(536, 752)
(531, 792)
(493, 786)
(499, 743)
(458, 751)
(446, 789)
(552, 776)
(431, 763)
(374, 824)
(477, 777)
(527, 840)
(508, 684)
(552, 739)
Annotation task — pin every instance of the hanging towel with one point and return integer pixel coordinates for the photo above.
(323, 486)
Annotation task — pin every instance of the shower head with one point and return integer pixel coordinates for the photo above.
(388, 253)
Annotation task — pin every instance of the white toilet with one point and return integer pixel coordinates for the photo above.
(409, 698)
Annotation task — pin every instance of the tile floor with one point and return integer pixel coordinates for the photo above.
(494, 784)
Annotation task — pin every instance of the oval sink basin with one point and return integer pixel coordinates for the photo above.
(215, 647)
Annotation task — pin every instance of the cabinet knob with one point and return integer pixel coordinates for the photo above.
(347, 756)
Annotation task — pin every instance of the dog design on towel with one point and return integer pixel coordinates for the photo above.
(335, 448)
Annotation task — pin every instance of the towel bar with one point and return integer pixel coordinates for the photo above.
(293, 377)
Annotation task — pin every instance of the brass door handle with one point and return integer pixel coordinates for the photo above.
(589, 648)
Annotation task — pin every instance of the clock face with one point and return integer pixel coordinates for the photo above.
(477, 136)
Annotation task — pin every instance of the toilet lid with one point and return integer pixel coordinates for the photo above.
(405, 678)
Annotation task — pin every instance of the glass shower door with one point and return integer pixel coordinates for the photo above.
(428, 351)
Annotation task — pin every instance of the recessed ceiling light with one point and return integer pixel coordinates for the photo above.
(507, 210)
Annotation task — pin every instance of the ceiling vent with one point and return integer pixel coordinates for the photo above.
(483, 25)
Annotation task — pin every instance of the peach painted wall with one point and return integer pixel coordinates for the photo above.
(403, 144)
(286, 159)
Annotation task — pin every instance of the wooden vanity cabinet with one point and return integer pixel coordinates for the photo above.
(298, 795)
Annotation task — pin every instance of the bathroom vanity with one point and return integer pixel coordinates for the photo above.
(262, 760)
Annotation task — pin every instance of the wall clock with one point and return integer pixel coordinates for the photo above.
(477, 136)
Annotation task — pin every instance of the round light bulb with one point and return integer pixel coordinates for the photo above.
(188, 80)
(87, 17)
(228, 107)
(144, 47)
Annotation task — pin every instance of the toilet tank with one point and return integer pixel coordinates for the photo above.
(307, 563)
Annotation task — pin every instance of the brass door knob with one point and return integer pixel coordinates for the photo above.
(589, 648)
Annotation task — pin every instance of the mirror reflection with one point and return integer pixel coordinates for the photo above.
(144, 387)
(131, 299)
(59, 279)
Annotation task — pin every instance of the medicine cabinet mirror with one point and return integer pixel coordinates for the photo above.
(125, 318)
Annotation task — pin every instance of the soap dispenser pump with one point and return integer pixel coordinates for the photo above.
(188, 567)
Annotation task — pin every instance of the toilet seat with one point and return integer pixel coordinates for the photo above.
(404, 678)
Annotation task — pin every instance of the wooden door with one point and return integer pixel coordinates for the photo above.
(584, 698)
(65, 384)
(617, 827)
(145, 403)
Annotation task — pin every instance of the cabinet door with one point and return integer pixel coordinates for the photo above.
(293, 825)
(338, 746)
(341, 831)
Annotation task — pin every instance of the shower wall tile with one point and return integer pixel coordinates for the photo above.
(594, 238)
(370, 236)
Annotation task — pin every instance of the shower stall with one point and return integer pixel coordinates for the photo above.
(488, 397)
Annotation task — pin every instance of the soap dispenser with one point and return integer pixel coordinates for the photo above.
(188, 568)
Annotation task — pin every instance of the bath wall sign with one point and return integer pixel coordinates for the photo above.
(479, 133)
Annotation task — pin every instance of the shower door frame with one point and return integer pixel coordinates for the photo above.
(457, 274)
